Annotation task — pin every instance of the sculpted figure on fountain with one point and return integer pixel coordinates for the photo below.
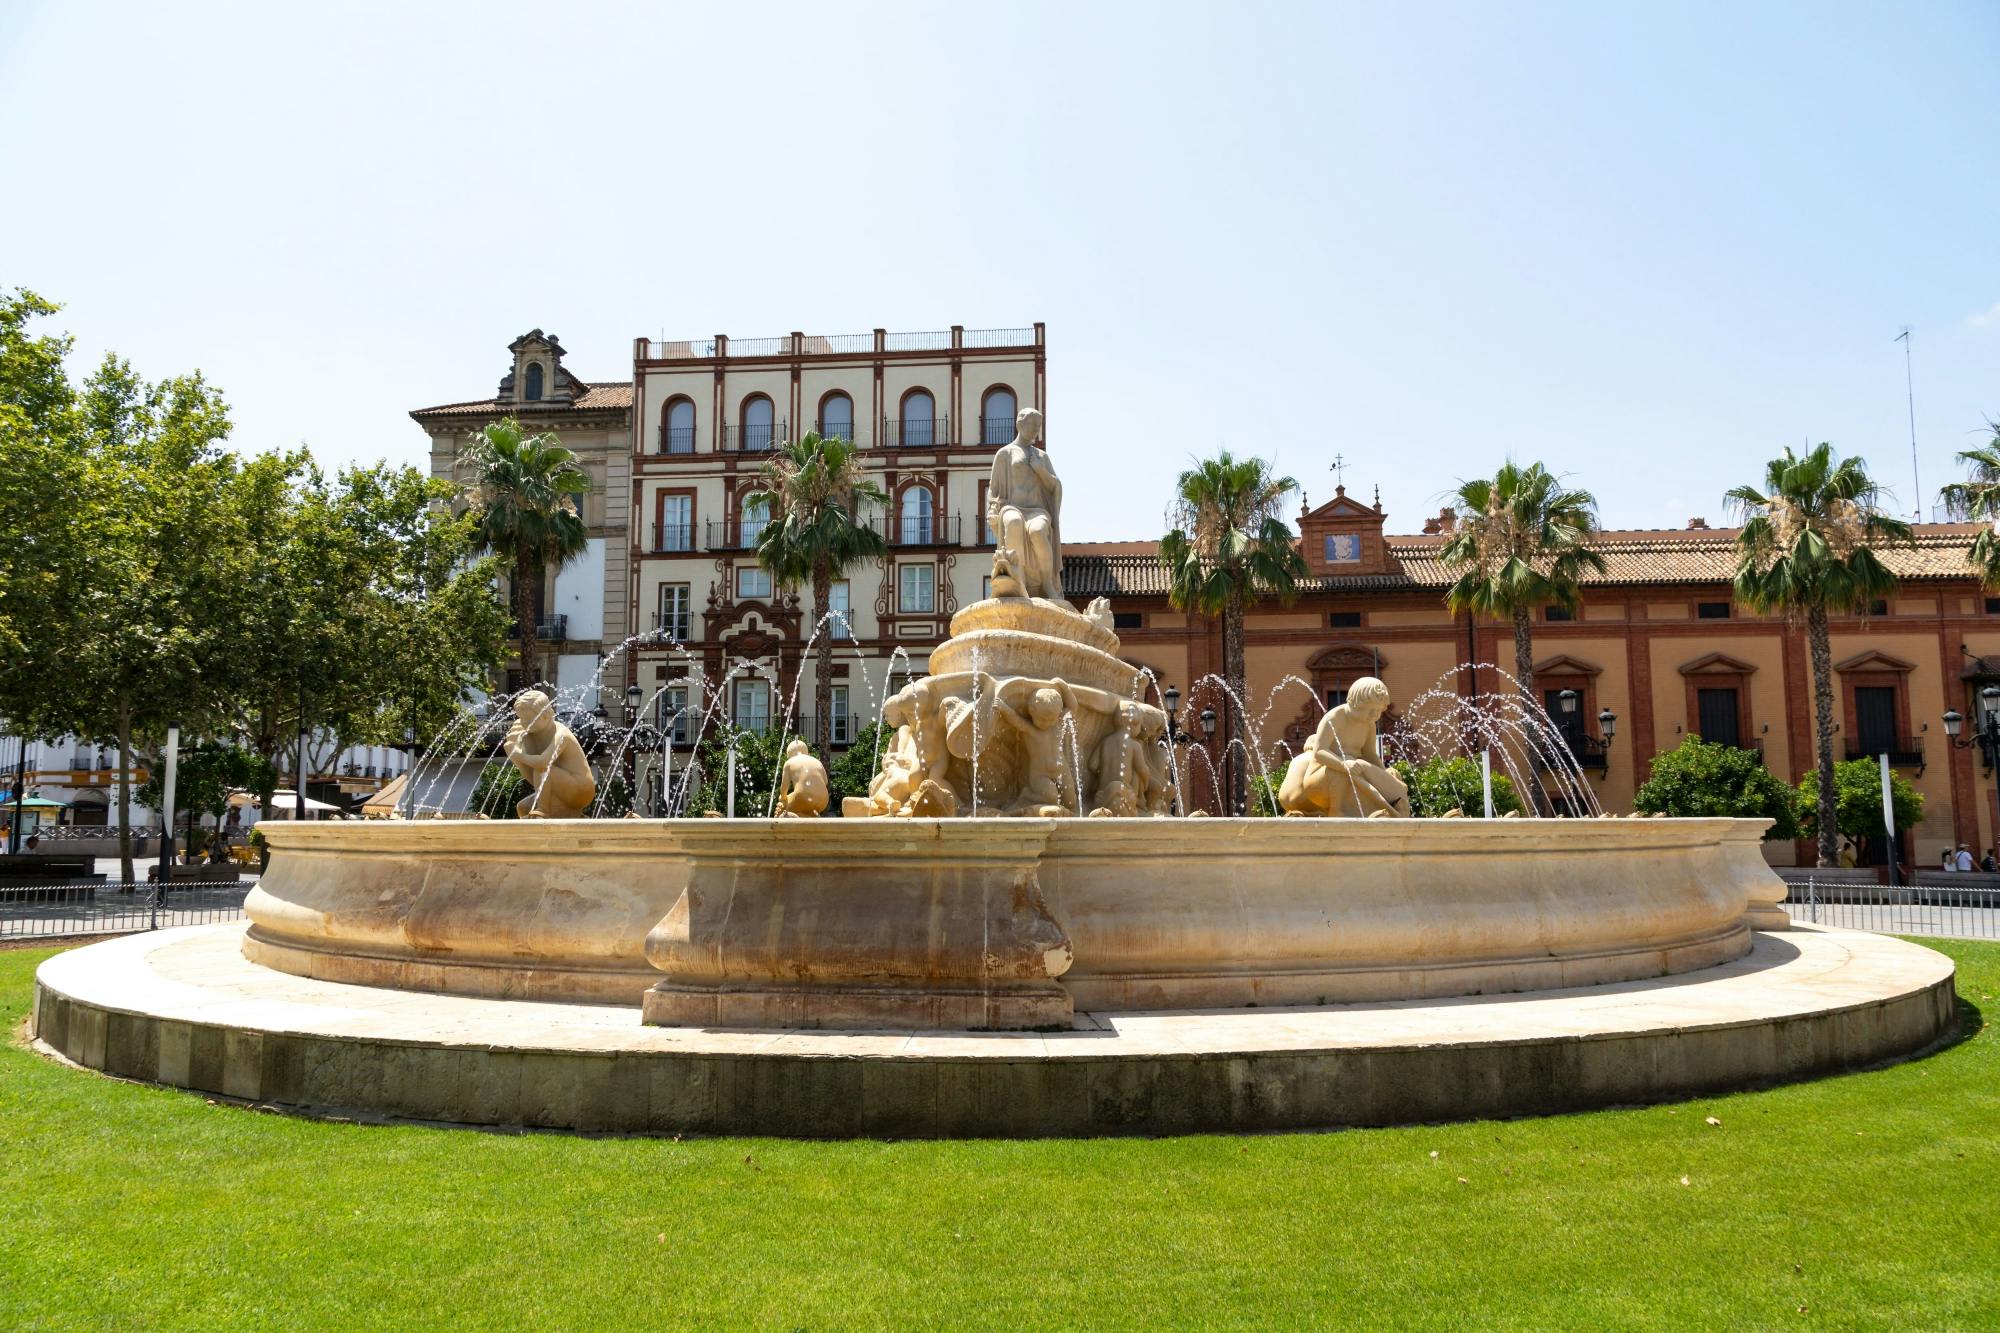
(546, 753)
(1028, 709)
(802, 789)
(1023, 511)
(1343, 773)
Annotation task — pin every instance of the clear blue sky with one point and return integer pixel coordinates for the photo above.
(1646, 246)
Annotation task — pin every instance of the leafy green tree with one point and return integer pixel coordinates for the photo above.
(1857, 801)
(358, 611)
(1977, 500)
(1697, 780)
(813, 489)
(853, 769)
(498, 791)
(759, 756)
(527, 496)
(1522, 542)
(145, 618)
(1229, 549)
(204, 776)
(42, 527)
(1807, 549)
(1444, 783)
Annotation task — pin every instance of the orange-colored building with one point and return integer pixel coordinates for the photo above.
(1658, 640)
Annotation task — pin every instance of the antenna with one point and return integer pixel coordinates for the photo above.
(1910, 392)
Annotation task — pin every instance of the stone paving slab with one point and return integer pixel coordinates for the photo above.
(184, 1007)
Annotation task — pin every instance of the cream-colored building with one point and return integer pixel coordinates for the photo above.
(927, 411)
(582, 617)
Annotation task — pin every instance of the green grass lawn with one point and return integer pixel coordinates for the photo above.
(1869, 1200)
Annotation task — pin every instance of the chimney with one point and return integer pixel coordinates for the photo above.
(1697, 525)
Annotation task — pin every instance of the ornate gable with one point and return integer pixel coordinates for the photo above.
(537, 376)
(1344, 536)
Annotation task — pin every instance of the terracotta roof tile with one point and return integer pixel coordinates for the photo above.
(1634, 557)
(606, 396)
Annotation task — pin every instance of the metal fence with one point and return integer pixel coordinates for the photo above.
(1971, 912)
(111, 907)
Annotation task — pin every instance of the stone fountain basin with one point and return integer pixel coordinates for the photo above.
(811, 922)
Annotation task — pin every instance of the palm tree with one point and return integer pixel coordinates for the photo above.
(1523, 543)
(1977, 500)
(527, 492)
(1805, 549)
(1228, 550)
(812, 489)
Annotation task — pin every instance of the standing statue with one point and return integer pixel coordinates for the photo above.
(802, 785)
(1343, 773)
(545, 752)
(1023, 508)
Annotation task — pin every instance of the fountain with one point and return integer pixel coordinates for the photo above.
(1006, 934)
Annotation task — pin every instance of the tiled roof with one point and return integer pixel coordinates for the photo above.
(1635, 558)
(612, 395)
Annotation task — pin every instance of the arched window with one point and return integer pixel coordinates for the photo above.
(836, 417)
(534, 383)
(919, 427)
(996, 416)
(917, 515)
(677, 428)
(754, 518)
(759, 422)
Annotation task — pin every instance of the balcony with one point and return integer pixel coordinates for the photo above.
(909, 530)
(675, 625)
(996, 431)
(722, 348)
(553, 630)
(846, 726)
(918, 433)
(739, 438)
(1903, 751)
(672, 537)
(1591, 754)
(677, 440)
(731, 537)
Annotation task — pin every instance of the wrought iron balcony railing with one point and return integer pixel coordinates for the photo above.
(917, 433)
(754, 438)
(1903, 751)
(732, 536)
(912, 530)
(673, 537)
(677, 440)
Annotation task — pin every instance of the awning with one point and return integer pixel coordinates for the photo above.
(33, 803)
(382, 805)
(282, 802)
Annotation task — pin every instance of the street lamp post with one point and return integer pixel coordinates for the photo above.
(1985, 735)
(409, 801)
(1171, 697)
(634, 696)
(1220, 772)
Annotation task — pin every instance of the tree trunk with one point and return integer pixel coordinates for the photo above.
(125, 868)
(525, 575)
(1524, 653)
(1235, 724)
(1820, 648)
(823, 663)
(1524, 680)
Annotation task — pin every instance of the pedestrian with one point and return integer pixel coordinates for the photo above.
(33, 843)
(1950, 858)
(1964, 858)
(1986, 862)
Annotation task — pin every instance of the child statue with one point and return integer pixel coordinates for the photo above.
(1343, 773)
(1040, 727)
(802, 789)
(545, 752)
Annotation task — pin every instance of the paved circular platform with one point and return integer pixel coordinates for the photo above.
(184, 1008)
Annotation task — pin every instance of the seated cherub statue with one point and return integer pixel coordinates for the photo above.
(802, 789)
(545, 752)
(1342, 774)
(901, 762)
